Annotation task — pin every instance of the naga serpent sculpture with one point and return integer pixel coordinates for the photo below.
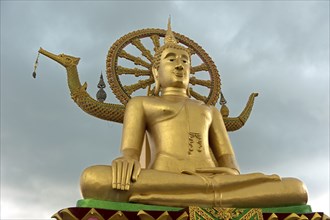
(117, 53)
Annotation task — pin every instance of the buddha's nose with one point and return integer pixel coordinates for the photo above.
(179, 67)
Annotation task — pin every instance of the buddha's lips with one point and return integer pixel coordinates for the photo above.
(178, 74)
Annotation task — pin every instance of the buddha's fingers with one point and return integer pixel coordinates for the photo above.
(119, 173)
(128, 176)
(124, 174)
(136, 170)
(114, 175)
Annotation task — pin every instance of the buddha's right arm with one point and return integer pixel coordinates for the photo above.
(134, 128)
(126, 169)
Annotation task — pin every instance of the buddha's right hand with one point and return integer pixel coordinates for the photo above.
(124, 171)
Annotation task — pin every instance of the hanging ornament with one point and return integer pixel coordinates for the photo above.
(101, 95)
(34, 74)
(224, 109)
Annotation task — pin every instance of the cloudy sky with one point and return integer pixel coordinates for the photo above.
(279, 49)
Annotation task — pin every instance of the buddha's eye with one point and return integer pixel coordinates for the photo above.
(171, 60)
(184, 61)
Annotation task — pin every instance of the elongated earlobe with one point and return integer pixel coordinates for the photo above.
(156, 89)
(188, 92)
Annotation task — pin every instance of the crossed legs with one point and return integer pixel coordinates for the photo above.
(174, 189)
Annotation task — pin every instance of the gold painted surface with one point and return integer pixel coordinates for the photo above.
(253, 214)
(316, 216)
(184, 216)
(273, 216)
(144, 215)
(118, 216)
(292, 216)
(224, 213)
(106, 111)
(303, 217)
(114, 112)
(164, 216)
(192, 160)
(154, 35)
(325, 217)
(65, 214)
(92, 214)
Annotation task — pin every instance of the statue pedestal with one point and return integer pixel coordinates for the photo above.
(105, 210)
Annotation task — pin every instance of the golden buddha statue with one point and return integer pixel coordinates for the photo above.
(192, 160)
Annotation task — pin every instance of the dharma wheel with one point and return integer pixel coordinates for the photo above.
(129, 63)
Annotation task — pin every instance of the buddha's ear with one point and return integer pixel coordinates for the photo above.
(157, 85)
(154, 72)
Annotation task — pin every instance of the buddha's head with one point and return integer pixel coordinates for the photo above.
(171, 64)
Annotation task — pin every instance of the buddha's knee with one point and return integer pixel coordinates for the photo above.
(297, 189)
(95, 182)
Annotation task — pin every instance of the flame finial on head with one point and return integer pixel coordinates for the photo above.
(169, 37)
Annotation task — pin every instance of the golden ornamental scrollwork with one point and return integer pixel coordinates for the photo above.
(204, 81)
(209, 81)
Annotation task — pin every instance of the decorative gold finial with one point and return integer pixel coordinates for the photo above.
(101, 95)
(169, 37)
(224, 109)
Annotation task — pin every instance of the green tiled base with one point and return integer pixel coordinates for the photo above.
(122, 206)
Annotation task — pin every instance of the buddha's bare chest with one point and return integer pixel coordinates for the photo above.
(179, 130)
(178, 114)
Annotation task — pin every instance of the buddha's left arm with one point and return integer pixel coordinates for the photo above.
(220, 143)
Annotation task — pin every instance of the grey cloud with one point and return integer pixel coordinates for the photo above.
(279, 49)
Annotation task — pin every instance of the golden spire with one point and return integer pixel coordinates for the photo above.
(169, 37)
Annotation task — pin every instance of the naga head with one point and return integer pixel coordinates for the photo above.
(63, 59)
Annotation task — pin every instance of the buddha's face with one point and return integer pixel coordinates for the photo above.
(174, 68)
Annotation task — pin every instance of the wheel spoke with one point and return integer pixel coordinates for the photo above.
(132, 71)
(201, 67)
(145, 52)
(141, 84)
(194, 81)
(204, 73)
(155, 41)
(197, 95)
(134, 59)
